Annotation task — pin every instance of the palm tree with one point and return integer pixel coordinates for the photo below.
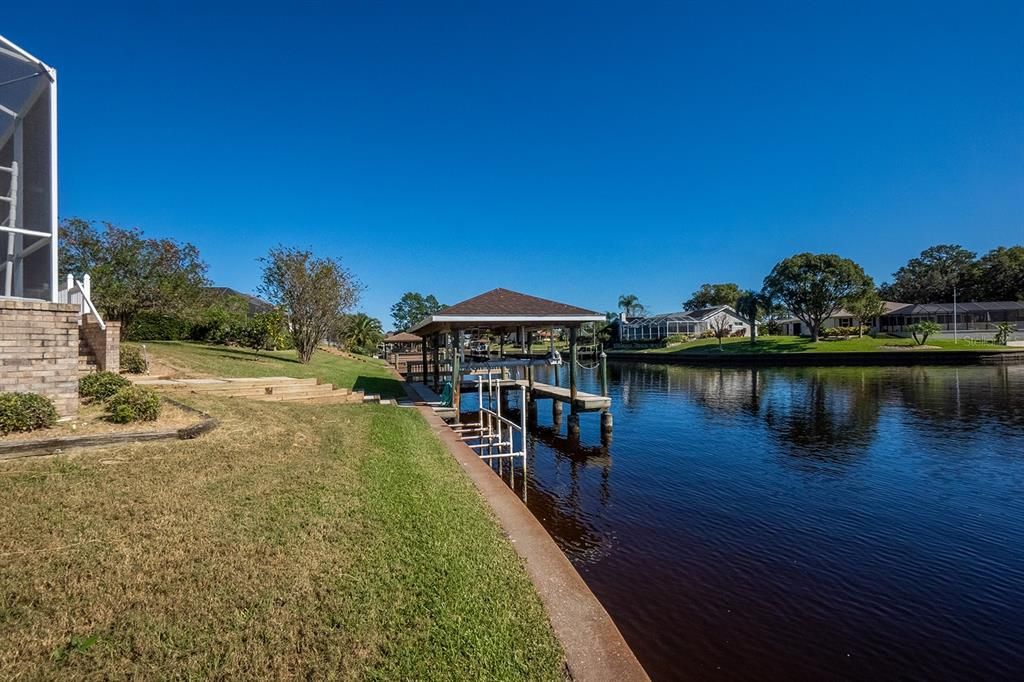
(748, 305)
(630, 304)
(361, 332)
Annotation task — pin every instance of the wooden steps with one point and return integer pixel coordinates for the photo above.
(268, 389)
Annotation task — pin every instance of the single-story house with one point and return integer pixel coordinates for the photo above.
(973, 319)
(687, 323)
(792, 326)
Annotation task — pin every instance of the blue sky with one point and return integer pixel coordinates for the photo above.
(571, 150)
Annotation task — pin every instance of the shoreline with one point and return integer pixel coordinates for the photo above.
(593, 645)
(817, 359)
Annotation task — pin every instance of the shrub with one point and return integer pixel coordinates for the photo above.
(132, 360)
(133, 404)
(150, 326)
(101, 385)
(265, 331)
(25, 412)
(673, 339)
(739, 332)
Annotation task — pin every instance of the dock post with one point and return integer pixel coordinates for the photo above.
(437, 363)
(606, 427)
(572, 368)
(604, 373)
(423, 367)
(556, 413)
(457, 374)
(574, 426)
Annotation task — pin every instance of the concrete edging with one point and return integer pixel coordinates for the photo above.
(594, 647)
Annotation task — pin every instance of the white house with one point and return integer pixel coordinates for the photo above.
(688, 323)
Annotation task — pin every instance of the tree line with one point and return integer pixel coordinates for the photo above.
(813, 287)
(159, 290)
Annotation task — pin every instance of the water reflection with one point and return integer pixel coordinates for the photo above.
(811, 523)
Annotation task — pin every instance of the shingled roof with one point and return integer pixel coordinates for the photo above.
(505, 302)
(499, 308)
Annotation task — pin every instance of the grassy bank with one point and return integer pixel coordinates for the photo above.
(294, 541)
(800, 344)
(364, 374)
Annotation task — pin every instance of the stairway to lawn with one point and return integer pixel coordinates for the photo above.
(366, 377)
(268, 389)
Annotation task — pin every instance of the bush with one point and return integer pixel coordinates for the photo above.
(673, 339)
(25, 412)
(265, 331)
(101, 385)
(132, 360)
(133, 404)
(149, 326)
(739, 332)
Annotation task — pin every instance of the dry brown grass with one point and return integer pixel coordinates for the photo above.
(91, 420)
(293, 541)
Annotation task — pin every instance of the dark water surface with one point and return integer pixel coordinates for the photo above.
(800, 523)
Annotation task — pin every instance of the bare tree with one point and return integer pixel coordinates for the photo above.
(313, 292)
(721, 326)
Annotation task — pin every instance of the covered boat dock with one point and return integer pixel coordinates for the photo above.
(503, 312)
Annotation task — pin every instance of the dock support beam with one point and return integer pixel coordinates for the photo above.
(556, 413)
(423, 367)
(573, 429)
(437, 362)
(604, 373)
(572, 367)
(606, 427)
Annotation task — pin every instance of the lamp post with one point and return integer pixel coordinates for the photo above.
(955, 341)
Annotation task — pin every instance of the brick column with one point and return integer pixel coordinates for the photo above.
(105, 344)
(39, 351)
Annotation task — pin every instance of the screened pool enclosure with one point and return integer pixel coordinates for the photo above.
(659, 327)
(28, 175)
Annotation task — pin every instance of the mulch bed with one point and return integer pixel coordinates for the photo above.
(90, 429)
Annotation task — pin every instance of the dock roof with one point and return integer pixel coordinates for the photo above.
(504, 309)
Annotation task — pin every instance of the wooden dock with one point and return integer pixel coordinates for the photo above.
(585, 402)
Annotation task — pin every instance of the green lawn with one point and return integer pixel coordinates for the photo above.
(295, 541)
(799, 344)
(367, 374)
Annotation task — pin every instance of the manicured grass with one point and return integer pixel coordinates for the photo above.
(799, 344)
(366, 374)
(294, 541)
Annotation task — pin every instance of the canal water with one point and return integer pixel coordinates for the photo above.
(799, 523)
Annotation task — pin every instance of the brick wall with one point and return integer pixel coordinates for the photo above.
(105, 345)
(39, 351)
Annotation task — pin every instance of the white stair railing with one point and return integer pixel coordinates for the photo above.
(78, 292)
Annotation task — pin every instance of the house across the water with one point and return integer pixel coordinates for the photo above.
(976, 320)
(687, 323)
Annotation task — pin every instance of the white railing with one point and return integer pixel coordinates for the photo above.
(494, 436)
(78, 292)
